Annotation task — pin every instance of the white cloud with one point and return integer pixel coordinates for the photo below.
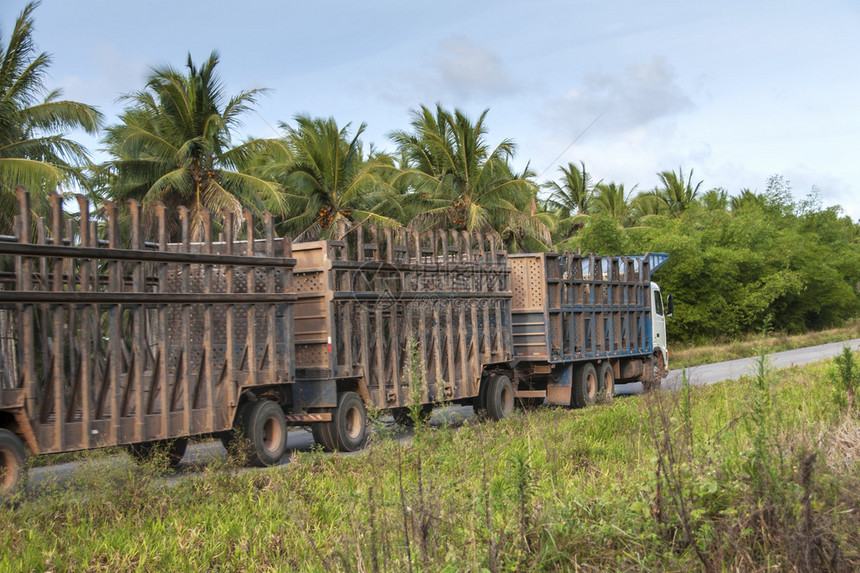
(110, 73)
(458, 71)
(641, 93)
(468, 69)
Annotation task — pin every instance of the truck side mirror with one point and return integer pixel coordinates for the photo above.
(670, 306)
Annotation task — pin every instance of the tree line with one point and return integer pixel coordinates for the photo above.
(738, 263)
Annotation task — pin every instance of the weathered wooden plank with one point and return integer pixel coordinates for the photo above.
(437, 348)
(379, 348)
(132, 255)
(185, 371)
(138, 341)
(86, 335)
(114, 345)
(230, 374)
(59, 320)
(251, 309)
(271, 309)
(207, 359)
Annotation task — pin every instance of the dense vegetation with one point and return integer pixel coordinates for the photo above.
(738, 263)
(754, 475)
(765, 264)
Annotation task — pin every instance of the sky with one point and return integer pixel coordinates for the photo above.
(737, 91)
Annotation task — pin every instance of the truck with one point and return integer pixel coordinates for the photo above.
(581, 324)
(115, 335)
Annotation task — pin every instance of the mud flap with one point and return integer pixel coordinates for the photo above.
(558, 390)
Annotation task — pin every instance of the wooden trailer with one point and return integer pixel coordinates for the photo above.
(362, 300)
(112, 339)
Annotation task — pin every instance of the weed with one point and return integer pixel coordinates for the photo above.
(417, 386)
(845, 377)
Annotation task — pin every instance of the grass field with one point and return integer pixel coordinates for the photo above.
(753, 345)
(757, 474)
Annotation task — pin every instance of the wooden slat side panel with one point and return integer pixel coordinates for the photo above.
(113, 358)
(603, 306)
(448, 291)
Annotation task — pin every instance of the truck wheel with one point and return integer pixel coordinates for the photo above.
(173, 450)
(500, 397)
(322, 434)
(585, 386)
(230, 438)
(349, 423)
(266, 432)
(403, 416)
(479, 402)
(13, 457)
(606, 379)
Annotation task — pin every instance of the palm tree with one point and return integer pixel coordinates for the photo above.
(575, 193)
(34, 150)
(517, 236)
(716, 199)
(612, 200)
(676, 192)
(456, 180)
(571, 200)
(174, 145)
(327, 178)
(747, 199)
(646, 205)
(407, 207)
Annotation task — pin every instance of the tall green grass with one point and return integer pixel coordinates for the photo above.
(751, 475)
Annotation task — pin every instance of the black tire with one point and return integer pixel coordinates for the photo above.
(585, 385)
(230, 438)
(349, 423)
(173, 450)
(479, 402)
(322, 433)
(13, 460)
(403, 416)
(500, 397)
(606, 380)
(266, 433)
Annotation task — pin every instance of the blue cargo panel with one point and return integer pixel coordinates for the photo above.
(572, 307)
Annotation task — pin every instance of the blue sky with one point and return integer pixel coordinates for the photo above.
(735, 90)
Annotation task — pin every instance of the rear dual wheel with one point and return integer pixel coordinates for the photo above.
(585, 386)
(347, 430)
(265, 432)
(499, 397)
(606, 380)
(259, 435)
(591, 382)
(322, 436)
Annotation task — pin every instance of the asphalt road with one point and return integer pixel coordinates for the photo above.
(734, 369)
(201, 454)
